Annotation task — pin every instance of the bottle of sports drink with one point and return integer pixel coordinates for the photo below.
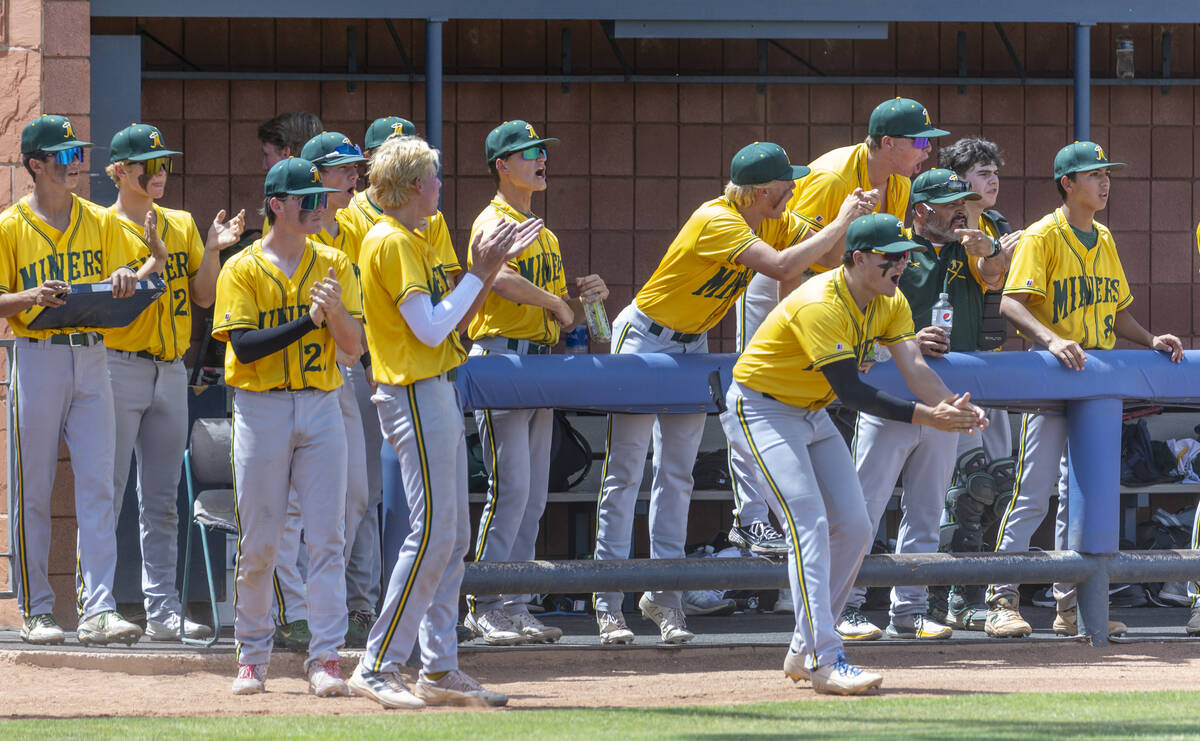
(597, 321)
(943, 313)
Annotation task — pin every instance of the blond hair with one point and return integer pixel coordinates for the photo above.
(396, 166)
(742, 196)
(111, 171)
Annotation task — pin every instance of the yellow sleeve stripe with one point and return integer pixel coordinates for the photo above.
(409, 289)
(5, 289)
(742, 248)
(1128, 300)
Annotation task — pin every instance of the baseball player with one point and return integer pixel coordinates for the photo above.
(284, 136)
(1066, 292)
(145, 365)
(985, 469)
(705, 269)
(786, 450)
(49, 240)
(961, 263)
(524, 314)
(287, 305)
(412, 321)
(364, 569)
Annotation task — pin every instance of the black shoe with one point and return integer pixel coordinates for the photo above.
(1193, 625)
(465, 634)
(759, 538)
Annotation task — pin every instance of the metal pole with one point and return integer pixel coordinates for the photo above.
(1083, 81)
(1094, 501)
(433, 82)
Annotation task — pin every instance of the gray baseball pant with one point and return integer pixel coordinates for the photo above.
(796, 461)
(752, 307)
(923, 458)
(289, 440)
(61, 392)
(516, 454)
(423, 422)
(363, 568)
(676, 440)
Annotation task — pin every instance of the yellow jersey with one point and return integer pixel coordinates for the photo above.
(252, 293)
(699, 277)
(396, 262)
(834, 176)
(165, 329)
(363, 210)
(348, 240)
(32, 252)
(817, 324)
(541, 264)
(1074, 291)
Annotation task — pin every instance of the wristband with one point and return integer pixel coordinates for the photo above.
(995, 249)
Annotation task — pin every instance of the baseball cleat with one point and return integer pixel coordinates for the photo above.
(249, 680)
(168, 629)
(784, 603)
(456, 688)
(1004, 621)
(386, 688)
(534, 630)
(1193, 623)
(41, 630)
(670, 620)
(293, 635)
(853, 625)
(1066, 623)
(759, 537)
(613, 628)
(922, 628)
(794, 668)
(325, 679)
(707, 602)
(358, 627)
(495, 628)
(843, 678)
(107, 627)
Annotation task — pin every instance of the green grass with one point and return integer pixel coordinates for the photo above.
(1158, 715)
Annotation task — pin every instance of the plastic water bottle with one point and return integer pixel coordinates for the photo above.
(882, 353)
(577, 341)
(943, 313)
(597, 321)
(1124, 53)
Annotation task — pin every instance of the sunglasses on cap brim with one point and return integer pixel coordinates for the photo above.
(954, 186)
(309, 202)
(341, 150)
(892, 256)
(64, 156)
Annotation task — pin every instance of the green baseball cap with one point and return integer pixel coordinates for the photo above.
(881, 233)
(763, 162)
(382, 128)
(941, 186)
(137, 143)
(294, 176)
(1081, 157)
(329, 149)
(511, 137)
(902, 117)
(49, 134)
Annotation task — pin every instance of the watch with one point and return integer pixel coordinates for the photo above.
(995, 249)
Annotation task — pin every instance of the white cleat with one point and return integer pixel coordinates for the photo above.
(671, 623)
(843, 678)
(613, 628)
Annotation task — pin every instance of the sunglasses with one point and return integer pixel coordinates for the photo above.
(153, 166)
(310, 202)
(954, 186)
(920, 142)
(64, 156)
(533, 153)
(893, 256)
(341, 150)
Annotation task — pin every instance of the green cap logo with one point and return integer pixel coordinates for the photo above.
(763, 162)
(137, 143)
(382, 129)
(902, 117)
(49, 134)
(1081, 157)
(294, 176)
(511, 137)
(882, 233)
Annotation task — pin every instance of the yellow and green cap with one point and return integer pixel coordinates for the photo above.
(294, 176)
(902, 117)
(763, 162)
(941, 186)
(511, 137)
(138, 143)
(881, 233)
(330, 148)
(381, 129)
(49, 134)
(1081, 157)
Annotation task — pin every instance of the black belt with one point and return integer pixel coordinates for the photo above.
(150, 356)
(534, 348)
(657, 329)
(74, 339)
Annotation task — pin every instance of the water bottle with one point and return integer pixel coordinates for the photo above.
(577, 340)
(1124, 53)
(597, 321)
(882, 353)
(943, 313)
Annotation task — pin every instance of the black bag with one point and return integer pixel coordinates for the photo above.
(1139, 465)
(993, 330)
(570, 455)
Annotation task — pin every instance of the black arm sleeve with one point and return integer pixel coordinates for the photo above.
(250, 345)
(365, 359)
(863, 397)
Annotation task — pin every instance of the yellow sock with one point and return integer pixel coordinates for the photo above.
(435, 676)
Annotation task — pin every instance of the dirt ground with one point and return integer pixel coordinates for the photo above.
(99, 684)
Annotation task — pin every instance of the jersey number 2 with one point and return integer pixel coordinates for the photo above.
(180, 297)
(311, 354)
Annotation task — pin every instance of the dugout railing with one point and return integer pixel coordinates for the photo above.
(1092, 401)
